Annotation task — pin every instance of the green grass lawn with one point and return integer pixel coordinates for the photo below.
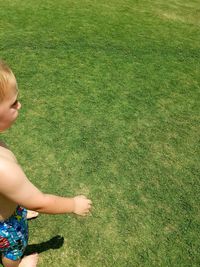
(110, 93)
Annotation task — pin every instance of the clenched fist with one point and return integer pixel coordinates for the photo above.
(82, 205)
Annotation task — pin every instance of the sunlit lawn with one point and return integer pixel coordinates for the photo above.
(110, 95)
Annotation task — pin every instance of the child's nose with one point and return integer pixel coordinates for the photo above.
(18, 105)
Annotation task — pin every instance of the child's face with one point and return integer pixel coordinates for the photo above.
(9, 107)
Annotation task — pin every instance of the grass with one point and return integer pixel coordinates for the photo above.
(110, 96)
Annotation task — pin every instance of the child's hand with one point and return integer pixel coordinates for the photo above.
(82, 205)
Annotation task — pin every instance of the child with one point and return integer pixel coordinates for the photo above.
(17, 193)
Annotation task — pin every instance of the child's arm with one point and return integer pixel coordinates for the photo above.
(15, 186)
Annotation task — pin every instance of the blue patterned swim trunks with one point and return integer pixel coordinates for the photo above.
(14, 235)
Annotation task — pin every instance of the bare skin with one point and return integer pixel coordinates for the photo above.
(31, 214)
(7, 207)
(27, 261)
(16, 189)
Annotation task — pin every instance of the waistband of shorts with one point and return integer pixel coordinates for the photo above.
(19, 211)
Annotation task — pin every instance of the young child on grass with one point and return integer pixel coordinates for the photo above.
(19, 198)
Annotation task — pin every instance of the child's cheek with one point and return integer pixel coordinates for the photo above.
(14, 114)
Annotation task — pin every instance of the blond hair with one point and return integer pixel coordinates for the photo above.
(6, 76)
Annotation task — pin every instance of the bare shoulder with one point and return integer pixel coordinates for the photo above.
(5, 152)
(15, 186)
(10, 172)
(12, 179)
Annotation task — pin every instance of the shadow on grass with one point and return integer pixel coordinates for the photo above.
(54, 243)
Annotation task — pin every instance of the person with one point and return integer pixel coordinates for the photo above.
(17, 193)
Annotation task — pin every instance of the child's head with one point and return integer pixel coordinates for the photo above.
(7, 80)
(9, 105)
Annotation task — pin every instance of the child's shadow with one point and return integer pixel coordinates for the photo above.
(54, 243)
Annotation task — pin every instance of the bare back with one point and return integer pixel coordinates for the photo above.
(7, 207)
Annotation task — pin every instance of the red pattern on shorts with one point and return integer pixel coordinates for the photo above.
(4, 243)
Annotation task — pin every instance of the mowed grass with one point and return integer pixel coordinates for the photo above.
(110, 96)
